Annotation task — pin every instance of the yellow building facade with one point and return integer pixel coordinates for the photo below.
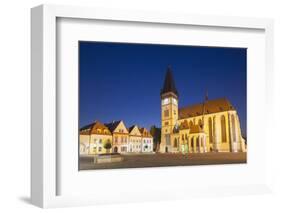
(93, 139)
(211, 126)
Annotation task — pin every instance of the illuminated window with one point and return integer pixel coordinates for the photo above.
(223, 129)
(166, 113)
(176, 143)
(210, 124)
(233, 127)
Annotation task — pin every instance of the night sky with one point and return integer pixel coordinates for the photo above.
(120, 81)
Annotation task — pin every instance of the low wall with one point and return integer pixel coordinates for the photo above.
(108, 159)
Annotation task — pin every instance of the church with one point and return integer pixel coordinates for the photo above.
(211, 126)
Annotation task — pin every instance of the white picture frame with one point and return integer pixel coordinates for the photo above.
(44, 154)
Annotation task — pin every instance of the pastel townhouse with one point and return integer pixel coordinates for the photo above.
(95, 139)
(146, 140)
(120, 136)
(135, 139)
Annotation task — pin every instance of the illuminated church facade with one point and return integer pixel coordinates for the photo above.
(211, 126)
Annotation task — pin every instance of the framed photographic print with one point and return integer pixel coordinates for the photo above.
(148, 105)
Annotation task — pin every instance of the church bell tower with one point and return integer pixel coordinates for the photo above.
(169, 111)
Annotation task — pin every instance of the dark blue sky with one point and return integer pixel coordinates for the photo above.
(120, 81)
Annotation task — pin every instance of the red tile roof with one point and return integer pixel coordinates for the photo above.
(211, 106)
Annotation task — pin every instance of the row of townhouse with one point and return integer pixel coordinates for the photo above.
(114, 137)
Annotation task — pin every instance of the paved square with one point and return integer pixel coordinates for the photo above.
(160, 160)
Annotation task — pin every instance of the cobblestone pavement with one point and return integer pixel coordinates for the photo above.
(160, 160)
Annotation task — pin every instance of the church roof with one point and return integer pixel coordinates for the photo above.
(169, 83)
(211, 106)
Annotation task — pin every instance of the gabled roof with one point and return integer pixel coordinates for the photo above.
(130, 130)
(145, 133)
(211, 106)
(113, 125)
(95, 128)
(169, 83)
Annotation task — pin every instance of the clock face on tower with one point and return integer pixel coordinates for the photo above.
(174, 101)
(165, 101)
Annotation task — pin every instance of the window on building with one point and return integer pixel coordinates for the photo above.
(190, 123)
(166, 123)
(223, 129)
(176, 143)
(166, 113)
(99, 149)
(233, 127)
(123, 149)
(210, 125)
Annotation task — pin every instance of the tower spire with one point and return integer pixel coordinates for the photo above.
(169, 83)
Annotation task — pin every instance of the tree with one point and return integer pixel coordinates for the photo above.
(107, 146)
(156, 134)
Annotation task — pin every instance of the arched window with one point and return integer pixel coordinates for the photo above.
(210, 124)
(190, 124)
(192, 143)
(115, 150)
(176, 143)
(223, 129)
(197, 144)
(233, 127)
